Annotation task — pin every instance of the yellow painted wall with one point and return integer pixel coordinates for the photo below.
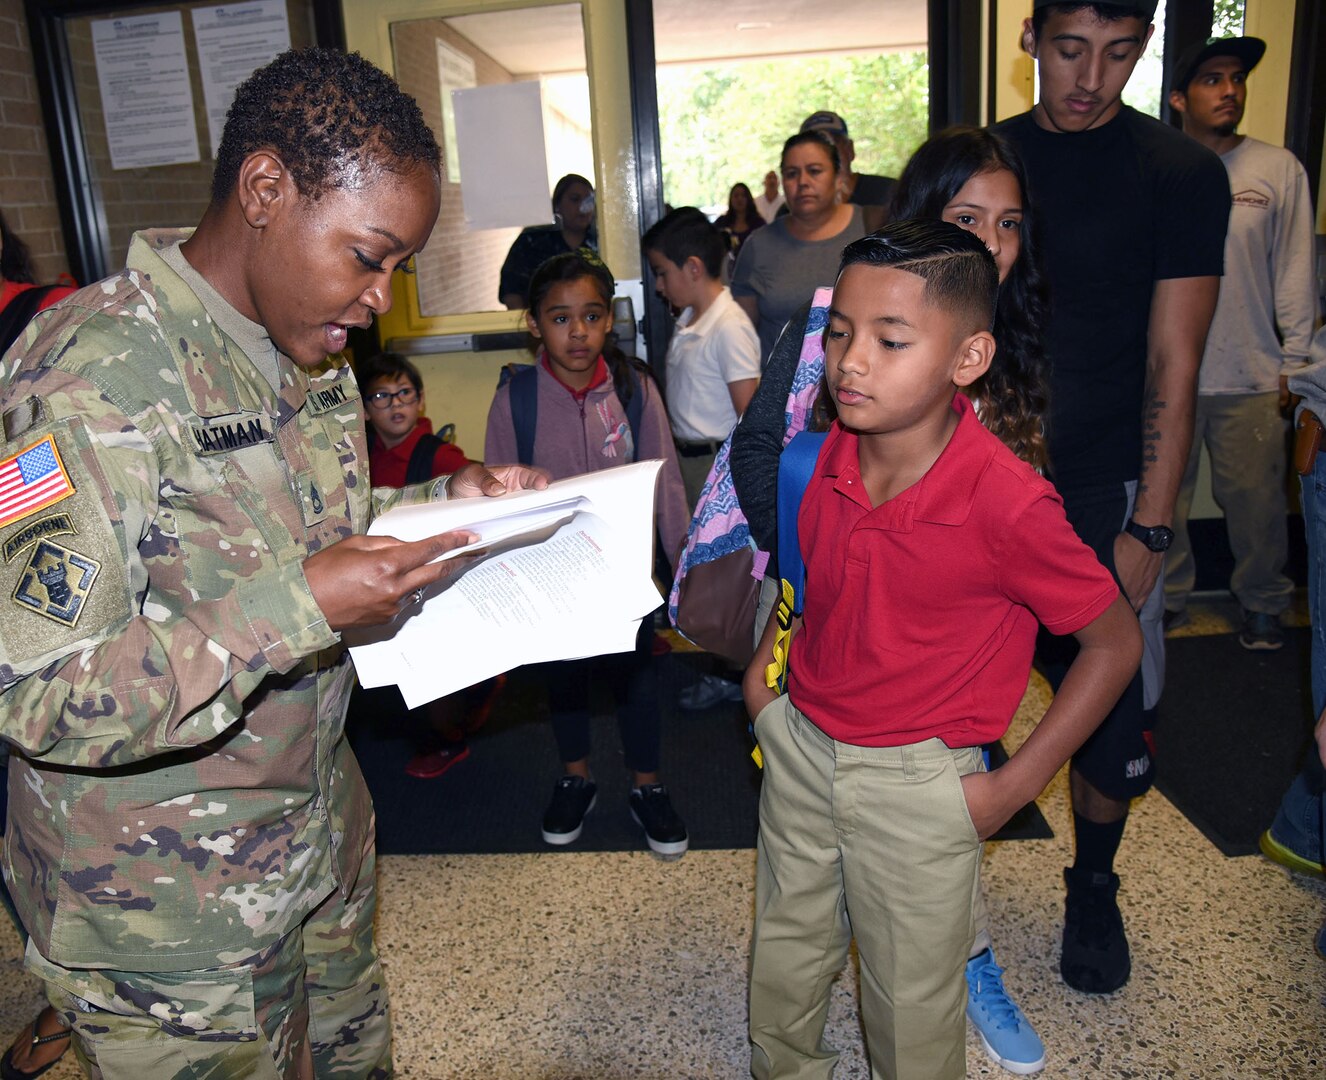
(459, 386)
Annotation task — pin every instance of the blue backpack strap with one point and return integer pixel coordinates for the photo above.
(796, 466)
(524, 390)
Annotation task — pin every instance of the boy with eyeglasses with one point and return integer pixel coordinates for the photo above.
(402, 449)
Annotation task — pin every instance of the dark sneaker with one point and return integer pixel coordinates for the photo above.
(430, 764)
(1095, 957)
(1173, 620)
(1261, 632)
(652, 810)
(573, 798)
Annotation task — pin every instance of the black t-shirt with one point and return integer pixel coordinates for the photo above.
(531, 249)
(873, 190)
(1118, 208)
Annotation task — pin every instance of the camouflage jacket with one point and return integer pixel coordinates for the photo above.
(184, 793)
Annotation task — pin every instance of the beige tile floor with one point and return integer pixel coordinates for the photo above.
(577, 966)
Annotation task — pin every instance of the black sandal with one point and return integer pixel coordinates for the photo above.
(10, 1071)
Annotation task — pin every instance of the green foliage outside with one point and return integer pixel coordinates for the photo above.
(1227, 18)
(721, 125)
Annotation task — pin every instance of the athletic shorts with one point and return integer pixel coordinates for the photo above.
(1117, 759)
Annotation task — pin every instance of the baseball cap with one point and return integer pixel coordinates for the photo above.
(826, 121)
(1147, 6)
(1247, 49)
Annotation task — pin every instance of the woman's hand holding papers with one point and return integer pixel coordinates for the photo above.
(475, 479)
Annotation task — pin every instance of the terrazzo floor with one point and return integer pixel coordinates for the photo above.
(579, 966)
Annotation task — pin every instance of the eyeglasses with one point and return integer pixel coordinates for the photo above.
(382, 399)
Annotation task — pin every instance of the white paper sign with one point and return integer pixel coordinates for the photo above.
(499, 131)
(234, 40)
(145, 94)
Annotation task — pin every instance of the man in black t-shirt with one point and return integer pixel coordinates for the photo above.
(1132, 218)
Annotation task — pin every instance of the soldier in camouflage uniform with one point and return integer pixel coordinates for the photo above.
(182, 493)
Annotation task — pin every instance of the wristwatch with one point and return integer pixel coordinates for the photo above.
(1155, 537)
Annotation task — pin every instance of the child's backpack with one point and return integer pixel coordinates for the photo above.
(523, 380)
(419, 469)
(717, 583)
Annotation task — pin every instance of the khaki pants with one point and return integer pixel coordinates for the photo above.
(871, 842)
(312, 1005)
(1245, 435)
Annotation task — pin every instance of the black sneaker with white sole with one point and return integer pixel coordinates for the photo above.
(652, 809)
(573, 797)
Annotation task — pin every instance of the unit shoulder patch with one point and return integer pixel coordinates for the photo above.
(56, 582)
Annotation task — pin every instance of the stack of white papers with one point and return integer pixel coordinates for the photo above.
(568, 573)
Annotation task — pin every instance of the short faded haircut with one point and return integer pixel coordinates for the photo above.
(958, 270)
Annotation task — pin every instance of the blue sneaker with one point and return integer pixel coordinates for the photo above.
(1008, 1038)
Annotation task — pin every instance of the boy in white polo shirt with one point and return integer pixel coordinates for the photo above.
(713, 363)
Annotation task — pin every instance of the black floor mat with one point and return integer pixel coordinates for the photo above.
(1233, 728)
(493, 802)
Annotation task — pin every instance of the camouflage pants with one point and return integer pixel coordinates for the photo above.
(314, 1004)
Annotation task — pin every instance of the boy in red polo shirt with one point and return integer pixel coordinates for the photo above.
(931, 554)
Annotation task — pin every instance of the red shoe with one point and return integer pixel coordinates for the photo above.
(429, 764)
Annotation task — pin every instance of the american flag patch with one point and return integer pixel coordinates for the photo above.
(31, 480)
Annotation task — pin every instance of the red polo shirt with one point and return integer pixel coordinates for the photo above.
(921, 613)
(386, 468)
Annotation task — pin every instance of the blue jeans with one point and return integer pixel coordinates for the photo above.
(1300, 823)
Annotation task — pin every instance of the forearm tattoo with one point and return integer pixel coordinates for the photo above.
(1152, 407)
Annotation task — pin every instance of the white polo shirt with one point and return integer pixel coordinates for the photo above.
(720, 347)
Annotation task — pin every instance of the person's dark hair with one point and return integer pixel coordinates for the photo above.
(559, 188)
(730, 217)
(1012, 396)
(329, 115)
(958, 270)
(572, 266)
(822, 139)
(387, 365)
(685, 232)
(15, 259)
(1103, 12)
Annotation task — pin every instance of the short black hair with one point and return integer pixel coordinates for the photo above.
(815, 137)
(387, 365)
(685, 232)
(1103, 12)
(328, 114)
(959, 272)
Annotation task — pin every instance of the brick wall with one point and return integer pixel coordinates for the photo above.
(132, 198)
(162, 195)
(459, 270)
(27, 185)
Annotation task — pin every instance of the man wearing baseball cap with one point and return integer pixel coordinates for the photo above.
(1132, 218)
(872, 192)
(1260, 334)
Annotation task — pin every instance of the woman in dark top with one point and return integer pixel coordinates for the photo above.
(573, 229)
(741, 218)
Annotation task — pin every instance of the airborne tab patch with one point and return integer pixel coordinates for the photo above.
(52, 525)
(32, 480)
(56, 582)
(228, 435)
